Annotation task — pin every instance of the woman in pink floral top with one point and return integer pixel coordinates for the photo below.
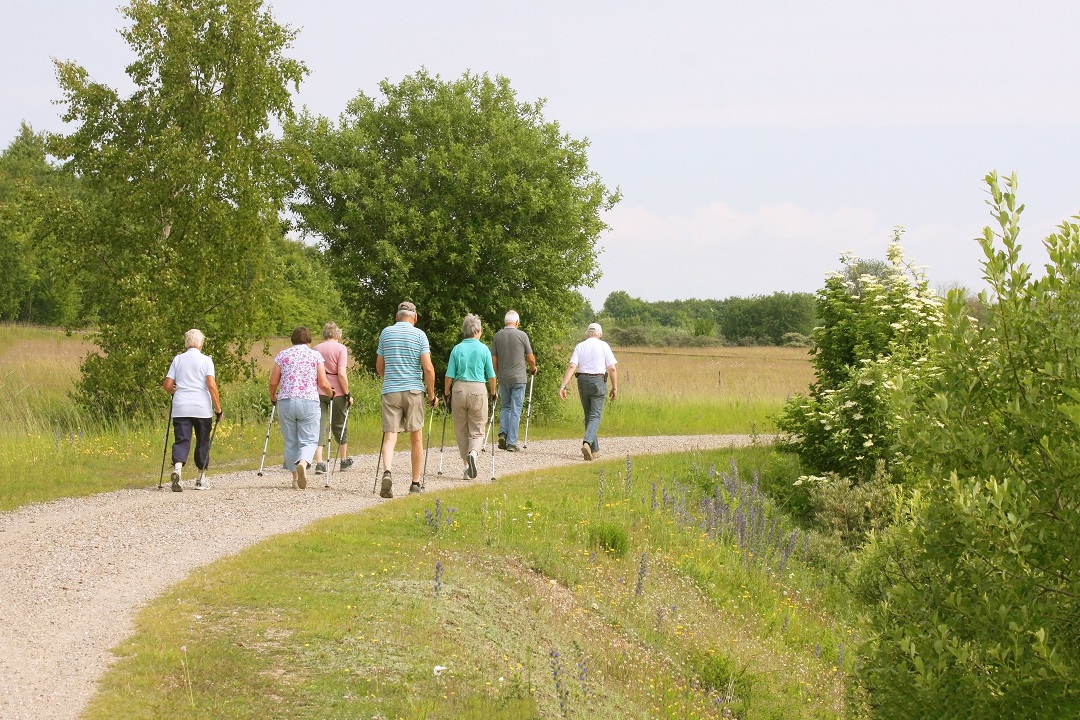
(295, 383)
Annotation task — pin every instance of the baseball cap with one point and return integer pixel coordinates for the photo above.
(406, 306)
(595, 328)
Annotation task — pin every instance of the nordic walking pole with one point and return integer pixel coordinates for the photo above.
(528, 413)
(341, 437)
(266, 443)
(427, 446)
(378, 463)
(168, 426)
(329, 434)
(442, 443)
(492, 412)
(210, 445)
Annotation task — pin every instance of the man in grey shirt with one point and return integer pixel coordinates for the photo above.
(511, 352)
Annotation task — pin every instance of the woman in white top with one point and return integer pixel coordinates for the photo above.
(195, 402)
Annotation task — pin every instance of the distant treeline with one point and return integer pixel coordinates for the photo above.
(778, 319)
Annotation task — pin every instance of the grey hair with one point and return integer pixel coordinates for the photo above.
(194, 338)
(331, 330)
(512, 317)
(402, 314)
(470, 325)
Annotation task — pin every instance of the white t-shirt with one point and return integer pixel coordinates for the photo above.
(189, 371)
(592, 356)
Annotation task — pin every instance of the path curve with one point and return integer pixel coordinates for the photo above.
(74, 572)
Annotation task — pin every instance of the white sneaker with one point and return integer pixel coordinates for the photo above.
(201, 483)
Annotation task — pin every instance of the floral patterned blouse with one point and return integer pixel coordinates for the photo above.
(299, 372)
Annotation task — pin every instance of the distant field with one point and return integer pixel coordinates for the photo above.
(748, 374)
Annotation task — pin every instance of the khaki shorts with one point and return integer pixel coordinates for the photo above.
(403, 411)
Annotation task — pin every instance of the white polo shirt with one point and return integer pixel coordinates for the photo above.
(189, 371)
(592, 356)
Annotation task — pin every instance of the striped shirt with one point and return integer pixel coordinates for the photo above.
(400, 347)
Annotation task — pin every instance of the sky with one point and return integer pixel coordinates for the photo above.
(753, 143)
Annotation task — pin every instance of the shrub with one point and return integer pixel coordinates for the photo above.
(978, 587)
(610, 538)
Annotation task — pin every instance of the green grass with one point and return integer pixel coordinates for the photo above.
(351, 617)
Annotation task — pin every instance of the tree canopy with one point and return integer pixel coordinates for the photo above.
(187, 184)
(456, 196)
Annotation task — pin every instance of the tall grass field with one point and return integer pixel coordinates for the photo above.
(49, 448)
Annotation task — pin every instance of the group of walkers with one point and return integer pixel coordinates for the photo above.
(310, 389)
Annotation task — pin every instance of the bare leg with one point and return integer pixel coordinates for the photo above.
(343, 451)
(389, 442)
(417, 440)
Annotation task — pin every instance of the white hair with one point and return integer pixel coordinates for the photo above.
(470, 325)
(194, 338)
(331, 330)
(512, 317)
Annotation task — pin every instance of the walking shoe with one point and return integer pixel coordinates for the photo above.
(346, 464)
(387, 490)
(175, 477)
(200, 483)
(320, 468)
(301, 474)
(511, 448)
(586, 451)
(414, 488)
(471, 459)
(502, 441)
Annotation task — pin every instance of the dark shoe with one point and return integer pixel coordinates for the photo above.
(414, 488)
(320, 468)
(175, 477)
(346, 464)
(502, 441)
(586, 451)
(387, 490)
(471, 472)
(301, 475)
(511, 448)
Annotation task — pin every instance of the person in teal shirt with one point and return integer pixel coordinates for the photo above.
(469, 369)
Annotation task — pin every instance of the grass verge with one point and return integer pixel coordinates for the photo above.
(667, 587)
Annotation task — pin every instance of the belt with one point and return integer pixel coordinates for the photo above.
(603, 375)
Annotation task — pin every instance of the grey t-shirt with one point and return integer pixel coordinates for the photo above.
(509, 347)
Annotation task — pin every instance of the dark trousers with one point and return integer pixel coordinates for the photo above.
(182, 428)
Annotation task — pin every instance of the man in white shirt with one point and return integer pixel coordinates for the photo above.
(593, 363)
(195, 402)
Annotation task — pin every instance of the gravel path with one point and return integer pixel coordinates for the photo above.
(73, 573)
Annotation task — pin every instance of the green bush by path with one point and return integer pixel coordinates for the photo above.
(494, 602)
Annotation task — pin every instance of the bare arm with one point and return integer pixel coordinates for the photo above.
(169, 385)
(380, 365)
(570, 369)
(275, 380)
(531, 359)
(429, 378)
(211, 385)
(614, 377)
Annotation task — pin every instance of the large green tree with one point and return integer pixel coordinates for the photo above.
(977, 593)
(455, 195)
(188, 182)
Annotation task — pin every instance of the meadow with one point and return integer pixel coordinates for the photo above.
(51, 449)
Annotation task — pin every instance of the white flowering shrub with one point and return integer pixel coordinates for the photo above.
(874, 327)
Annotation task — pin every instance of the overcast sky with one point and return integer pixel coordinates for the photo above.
(753, 142)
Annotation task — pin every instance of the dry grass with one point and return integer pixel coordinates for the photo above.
(746, 374)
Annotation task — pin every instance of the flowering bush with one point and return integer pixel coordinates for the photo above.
(874, 327)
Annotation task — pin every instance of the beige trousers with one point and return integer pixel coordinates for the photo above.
(470, 410)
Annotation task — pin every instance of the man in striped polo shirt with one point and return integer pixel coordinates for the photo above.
(403, 361)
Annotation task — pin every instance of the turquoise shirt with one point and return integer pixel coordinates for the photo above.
(470, 361)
